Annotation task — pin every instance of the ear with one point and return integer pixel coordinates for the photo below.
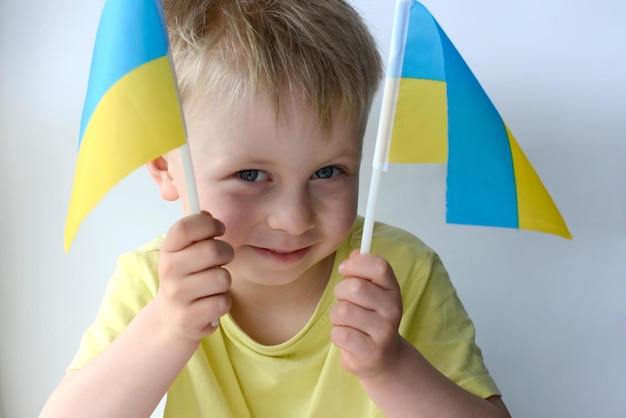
(159, 169)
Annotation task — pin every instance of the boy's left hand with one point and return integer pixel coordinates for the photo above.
(367, 315)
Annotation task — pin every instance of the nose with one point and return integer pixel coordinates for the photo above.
(292, 211)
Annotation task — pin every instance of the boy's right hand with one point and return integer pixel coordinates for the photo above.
(194, 286)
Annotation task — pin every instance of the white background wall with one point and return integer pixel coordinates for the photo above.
(550, 313)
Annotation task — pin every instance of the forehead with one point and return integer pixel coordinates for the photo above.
(291, 115)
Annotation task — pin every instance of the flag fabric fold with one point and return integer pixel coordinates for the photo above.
(443, 115)
(132, 111)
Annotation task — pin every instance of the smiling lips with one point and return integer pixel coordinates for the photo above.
(282, 256)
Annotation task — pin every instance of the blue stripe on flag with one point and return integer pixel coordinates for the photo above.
(135, 27)
(481, 181)
(423, 56)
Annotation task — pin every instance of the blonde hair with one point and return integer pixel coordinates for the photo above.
(317, 48)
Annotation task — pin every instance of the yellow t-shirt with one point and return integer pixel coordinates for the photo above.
(231, 375)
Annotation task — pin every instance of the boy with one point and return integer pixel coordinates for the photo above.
(276, 95)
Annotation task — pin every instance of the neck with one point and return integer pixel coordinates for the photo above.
(274, 314)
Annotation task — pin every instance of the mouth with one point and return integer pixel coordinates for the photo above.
(283, 256)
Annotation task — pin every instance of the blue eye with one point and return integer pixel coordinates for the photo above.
(252, 175)
(327, 172)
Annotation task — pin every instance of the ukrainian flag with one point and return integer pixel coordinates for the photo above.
(443, 115)
(132, 111)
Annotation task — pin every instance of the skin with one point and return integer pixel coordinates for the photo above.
(287, 194)
(278, 196)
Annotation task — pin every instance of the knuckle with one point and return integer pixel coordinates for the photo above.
(357, 287)
(171, 290)
(174, 293)
(168, 265)
(216, 252)
(221, 280)
(343, 310)
(380, 266)
(346, 312)
(179, 229)
(166, 269)
(391, 310)
(341, 336)
(223, 302)
(207, 253)
(191, 229)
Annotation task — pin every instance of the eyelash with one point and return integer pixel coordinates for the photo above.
(252, 175)
(335, 171)
(246, 174)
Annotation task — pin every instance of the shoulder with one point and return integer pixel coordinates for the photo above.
(146, 250)
(132, 285)
(402, 249)
(417, 267)
(145, 255)
(137, 269)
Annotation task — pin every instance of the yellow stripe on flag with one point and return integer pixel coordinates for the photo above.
(420, 129)
(536, 210)
(137, 120)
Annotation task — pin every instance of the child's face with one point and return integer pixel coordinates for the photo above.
(285, 189)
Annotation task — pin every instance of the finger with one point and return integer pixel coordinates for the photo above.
(370, 267)
(352, 341)
(210, 286)
(368, 322)
(192, 229)
(202, 255)
(368, 307)
(364, 293)
(202, 285)
(199, 257)
(200, 317)
(211, 308)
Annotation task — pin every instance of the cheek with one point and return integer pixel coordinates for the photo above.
(237, 216)
(341, 213)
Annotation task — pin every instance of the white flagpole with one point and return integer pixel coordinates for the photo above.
(190, 178)
(185, 152)
(387, 113)
(185, 155)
